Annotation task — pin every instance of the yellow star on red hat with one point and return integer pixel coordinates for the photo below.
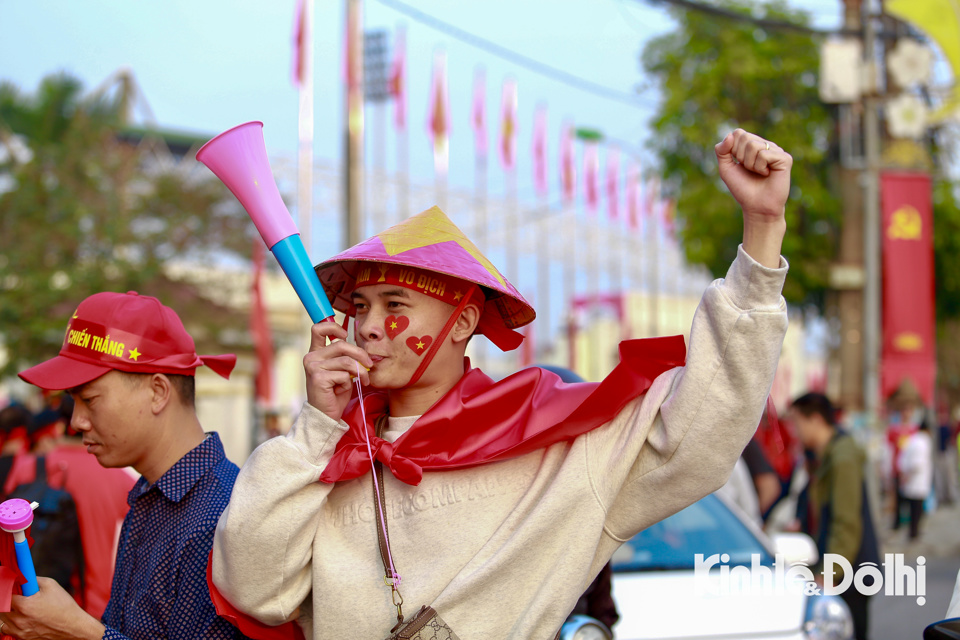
(134, 354)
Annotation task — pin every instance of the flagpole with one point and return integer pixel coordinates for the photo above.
(635, 226)
(354, 125)
(480, 184)
(569, 231)
(655, 268)
(591, 174)
(403, 170)
(399, 91)
(305, 146)
(438, 123)
(479, 121)
(512, 227)
(305, 128)
(570, 283)
(543, 273)
(541, 184)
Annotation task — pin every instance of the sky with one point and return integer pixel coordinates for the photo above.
(206, 65)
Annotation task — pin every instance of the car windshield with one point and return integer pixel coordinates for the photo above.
(706, 527)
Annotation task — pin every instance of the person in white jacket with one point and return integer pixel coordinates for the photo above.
(502, 500)
(915, 463)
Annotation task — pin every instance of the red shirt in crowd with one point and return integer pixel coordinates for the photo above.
(101, 498)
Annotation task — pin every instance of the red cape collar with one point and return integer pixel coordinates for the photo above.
(481, 421)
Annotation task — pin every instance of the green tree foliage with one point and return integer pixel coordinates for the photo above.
(716, 75)
(82, 211)
(946, 251)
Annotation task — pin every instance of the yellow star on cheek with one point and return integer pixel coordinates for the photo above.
(420, 345)
(134, 354)
(393, 325)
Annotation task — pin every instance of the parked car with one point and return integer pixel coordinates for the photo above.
(660, 595)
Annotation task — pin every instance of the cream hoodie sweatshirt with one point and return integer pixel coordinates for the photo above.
(504, 550)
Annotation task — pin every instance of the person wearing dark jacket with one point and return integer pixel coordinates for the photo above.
(838, 516)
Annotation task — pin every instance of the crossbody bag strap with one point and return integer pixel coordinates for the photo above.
(383, 534)
(383, 541)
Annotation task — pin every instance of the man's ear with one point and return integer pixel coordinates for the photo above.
(162, 391)
(466, 324)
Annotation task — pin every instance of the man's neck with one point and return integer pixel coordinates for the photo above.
(416, 400)
(823, 440)
(180, 436)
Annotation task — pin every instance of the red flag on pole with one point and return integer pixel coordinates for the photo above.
(651, 198)
(438, 123)
(909, 326)
(568, 168)
(669, 212)
(613, 183)
(299, 43)
(633, 196)
(508, 124)
(398, 79)
(591, 176)
(260, 333)
(478, 116)
(540, 180)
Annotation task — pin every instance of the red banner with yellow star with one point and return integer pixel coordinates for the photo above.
(908, 286)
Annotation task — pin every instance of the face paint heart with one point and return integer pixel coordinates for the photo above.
(395, 325)
(419, 345)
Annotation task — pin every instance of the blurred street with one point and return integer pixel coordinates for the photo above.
(901, 618)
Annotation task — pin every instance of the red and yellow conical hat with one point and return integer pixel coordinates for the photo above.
(430, 241)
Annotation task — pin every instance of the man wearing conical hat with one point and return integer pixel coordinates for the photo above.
(495, 503)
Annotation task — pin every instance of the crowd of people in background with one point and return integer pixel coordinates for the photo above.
(814, 472)
(99, 494)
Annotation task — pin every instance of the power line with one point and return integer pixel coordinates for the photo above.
(783, 25)
(514, 57)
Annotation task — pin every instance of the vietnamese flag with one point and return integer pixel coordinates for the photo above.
(508, 124)
(568, 169)
(613, 183)
(438, 123)
(300, 27)
(633, 196)
(540, 181)
(478, 115)
(591, 176)
(669, 213)
(398, 79)
(260, 332)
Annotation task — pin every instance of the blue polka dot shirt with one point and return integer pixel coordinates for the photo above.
(160, 583)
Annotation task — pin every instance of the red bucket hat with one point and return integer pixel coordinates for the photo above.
(430, 241)
(127, 332)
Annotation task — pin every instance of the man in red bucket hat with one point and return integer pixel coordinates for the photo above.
(497, 502)
(129, 365)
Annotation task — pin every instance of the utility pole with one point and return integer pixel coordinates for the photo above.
(353, 135)
(871, 224)
(856, 276)
(848, 276)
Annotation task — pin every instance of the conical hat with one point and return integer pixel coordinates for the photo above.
(428, 240)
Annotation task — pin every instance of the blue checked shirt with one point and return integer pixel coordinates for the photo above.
(160, 583)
